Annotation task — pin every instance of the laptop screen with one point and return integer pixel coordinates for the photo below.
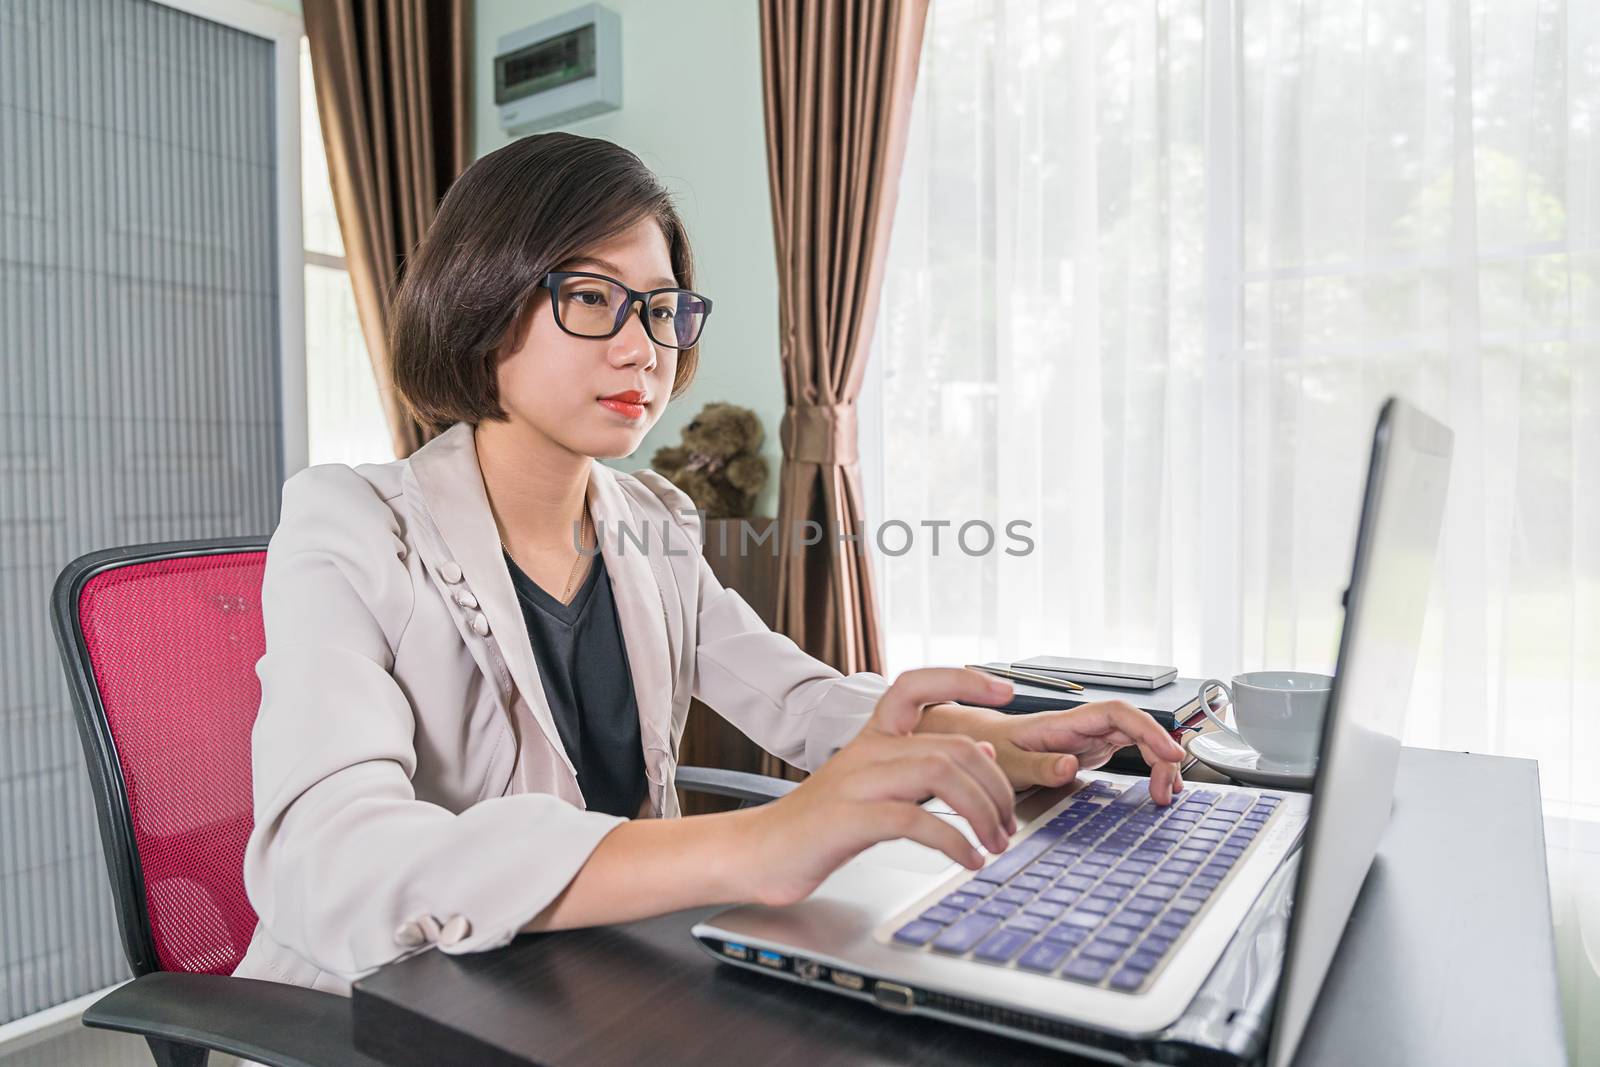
(1396, 544)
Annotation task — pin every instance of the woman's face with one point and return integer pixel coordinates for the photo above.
(559, 384)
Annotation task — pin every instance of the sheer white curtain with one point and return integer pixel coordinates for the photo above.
(1154, 268)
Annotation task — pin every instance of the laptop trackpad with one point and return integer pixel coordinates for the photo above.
(904, 855)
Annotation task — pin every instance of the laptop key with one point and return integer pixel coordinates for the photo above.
(961, 901)
(1018, 856)
(1044, 956)
(965, 933)
(1142, 960)
(1133, 796)
(997, 909)
(1169, 930)
(1067, 933)
(1156, 944)
(941, 915)
(918, 932)
(1002, 945)
(1082, 969)
(1235, 802)
(1031, 882)
(1136, 920)
(1102, 950)
(1031, 923)
(1118, 935)
(1127, 980)
(1079, 917)
(1012, 895)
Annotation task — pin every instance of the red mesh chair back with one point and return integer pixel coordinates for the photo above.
(160, 643)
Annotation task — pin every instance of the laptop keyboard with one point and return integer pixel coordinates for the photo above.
(1101, 892)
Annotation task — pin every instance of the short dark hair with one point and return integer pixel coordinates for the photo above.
(468, 292)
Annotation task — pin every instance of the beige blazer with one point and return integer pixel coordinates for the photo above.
(410, 787)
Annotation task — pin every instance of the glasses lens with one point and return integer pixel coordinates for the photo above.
(676, 317)
(589, 306)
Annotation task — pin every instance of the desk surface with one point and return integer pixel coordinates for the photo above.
(1450, 940)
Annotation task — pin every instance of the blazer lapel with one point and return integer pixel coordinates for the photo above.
(635, 585)
(450, 483)
(447, 473)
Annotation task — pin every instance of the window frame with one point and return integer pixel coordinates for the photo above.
(284, 30)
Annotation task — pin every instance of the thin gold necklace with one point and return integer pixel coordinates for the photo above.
(583, 540)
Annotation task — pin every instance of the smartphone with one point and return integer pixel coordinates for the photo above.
(1100, 671)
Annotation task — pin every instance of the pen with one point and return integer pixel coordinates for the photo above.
(1024, 676)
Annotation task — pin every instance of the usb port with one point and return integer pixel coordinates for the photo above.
(893, 996)
(848, 980)
(769, 959)
(738, 952)
(810, 970)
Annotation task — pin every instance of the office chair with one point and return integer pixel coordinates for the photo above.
(159, 643)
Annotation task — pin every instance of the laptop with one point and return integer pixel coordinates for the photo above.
(1117, 929)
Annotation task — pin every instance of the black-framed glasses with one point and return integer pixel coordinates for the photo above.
(594, 305)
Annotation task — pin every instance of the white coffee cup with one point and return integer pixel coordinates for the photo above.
(1278, 713)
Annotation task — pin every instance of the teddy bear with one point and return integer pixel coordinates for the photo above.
(718, 464)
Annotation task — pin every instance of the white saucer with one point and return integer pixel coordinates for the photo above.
(1227, 755)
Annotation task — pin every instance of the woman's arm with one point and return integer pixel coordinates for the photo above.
(652, 866)
(871, 791)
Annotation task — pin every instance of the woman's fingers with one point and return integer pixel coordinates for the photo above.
(897, 819)
(977, 759)
(1165, 782)
(1136, 728)
(900, 708)
(932, 771)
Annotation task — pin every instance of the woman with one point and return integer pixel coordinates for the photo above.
(470, 714)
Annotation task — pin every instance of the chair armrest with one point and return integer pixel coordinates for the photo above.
(740, 785)
(269, 1022)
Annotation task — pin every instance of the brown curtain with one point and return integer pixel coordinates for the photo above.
(838, 79)
(393, 89)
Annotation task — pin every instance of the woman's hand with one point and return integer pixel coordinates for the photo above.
(1048, 748)
(872, 790)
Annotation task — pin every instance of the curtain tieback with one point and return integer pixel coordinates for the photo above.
(820, 433)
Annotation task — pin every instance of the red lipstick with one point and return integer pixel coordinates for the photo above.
(630, 403)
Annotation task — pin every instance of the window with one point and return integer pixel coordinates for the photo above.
(1153, 269)
(344, 417)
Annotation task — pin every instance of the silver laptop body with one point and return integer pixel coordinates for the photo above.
(1240, 975)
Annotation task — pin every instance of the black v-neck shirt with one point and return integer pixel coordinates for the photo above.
(584, 666)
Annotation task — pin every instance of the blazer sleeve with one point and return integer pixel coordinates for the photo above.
(343, 853)
(795, 706)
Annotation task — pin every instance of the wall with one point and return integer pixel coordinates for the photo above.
(691, 91)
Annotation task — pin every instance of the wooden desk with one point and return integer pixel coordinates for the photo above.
(1449, 958)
